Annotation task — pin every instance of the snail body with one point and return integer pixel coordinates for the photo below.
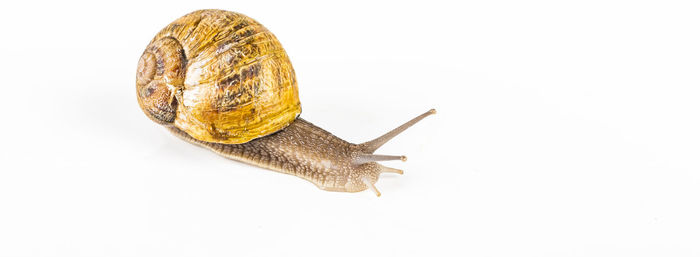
(222, 81)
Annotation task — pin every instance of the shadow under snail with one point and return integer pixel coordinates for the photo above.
(221, 80)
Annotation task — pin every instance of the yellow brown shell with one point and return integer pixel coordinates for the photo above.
(219, 76)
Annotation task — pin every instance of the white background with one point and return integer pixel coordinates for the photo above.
(563, 129)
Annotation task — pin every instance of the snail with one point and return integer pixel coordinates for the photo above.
(221, 80)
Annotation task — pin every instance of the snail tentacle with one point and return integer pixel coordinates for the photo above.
(373, 145)
(365, 158)
(371, 186)
(384, 169)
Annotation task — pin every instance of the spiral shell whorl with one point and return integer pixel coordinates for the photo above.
(160, 72)
(220, 77)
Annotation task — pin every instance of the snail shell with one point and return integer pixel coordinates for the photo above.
(219, 76)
